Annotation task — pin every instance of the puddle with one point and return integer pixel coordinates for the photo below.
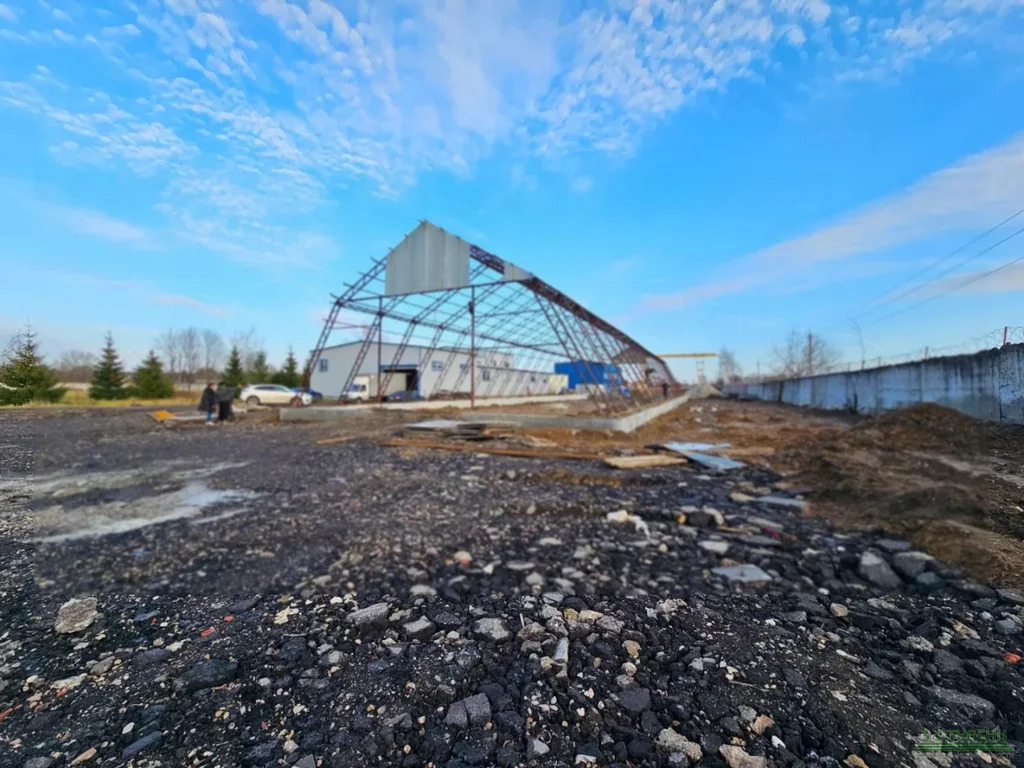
(57, 523)
(61, 484)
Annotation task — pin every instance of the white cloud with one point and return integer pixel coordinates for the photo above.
(249, 114)
(98, 224)
(977, 191)
(7, 13)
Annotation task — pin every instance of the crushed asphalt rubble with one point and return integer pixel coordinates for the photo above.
(370, 606)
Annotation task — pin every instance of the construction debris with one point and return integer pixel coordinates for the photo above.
(517, 452)
(643, 462)
(464, 430)
(684, 447)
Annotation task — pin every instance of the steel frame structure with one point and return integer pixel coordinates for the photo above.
(525, 319)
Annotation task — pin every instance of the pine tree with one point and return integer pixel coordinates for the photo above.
(25, 377)
(233, 374)
(108, 375)
(289, 374)
(259, 373)
(150, 381)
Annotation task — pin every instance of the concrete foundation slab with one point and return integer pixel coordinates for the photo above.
(626, 423)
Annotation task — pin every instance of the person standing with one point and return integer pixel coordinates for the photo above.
(664, 389)
(225, 397)
(208, 403)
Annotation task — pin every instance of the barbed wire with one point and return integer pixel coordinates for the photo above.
(1013, 334)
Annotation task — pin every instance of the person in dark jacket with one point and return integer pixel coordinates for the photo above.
(225, 397)
(208, 403)
(664, 389)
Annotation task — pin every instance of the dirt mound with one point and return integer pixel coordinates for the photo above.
(923, 427)
(926, 473)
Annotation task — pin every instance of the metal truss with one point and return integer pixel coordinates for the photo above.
(526, 324)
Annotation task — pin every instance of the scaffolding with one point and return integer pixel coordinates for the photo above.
(449, 296)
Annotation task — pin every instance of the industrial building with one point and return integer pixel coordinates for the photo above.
(431, 373)
(444, 317)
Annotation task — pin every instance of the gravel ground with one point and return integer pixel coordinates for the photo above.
(246, 597)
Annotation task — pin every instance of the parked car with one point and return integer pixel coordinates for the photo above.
(404, 396)
(273, 394)
(317, 396)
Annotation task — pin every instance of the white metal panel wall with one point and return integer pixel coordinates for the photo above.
(428, 259)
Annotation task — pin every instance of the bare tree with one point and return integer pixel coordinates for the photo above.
(214, 351)
(729, 370)
(804, 354)
(191, 344)
(249, 347)
(75, 366)
(169, 346)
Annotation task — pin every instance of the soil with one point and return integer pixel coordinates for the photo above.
(952, 484)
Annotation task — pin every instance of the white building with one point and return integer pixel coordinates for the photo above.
(444, 371)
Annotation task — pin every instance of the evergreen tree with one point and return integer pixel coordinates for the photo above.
(259, 373)
(108, 375)
(25, 377)
(289, 374)
(233, 374)
(150, 381)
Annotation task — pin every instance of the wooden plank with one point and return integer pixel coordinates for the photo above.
(641, 462)
(336, 440)
(516, 452)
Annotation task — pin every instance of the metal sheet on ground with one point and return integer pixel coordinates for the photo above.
(720, 463)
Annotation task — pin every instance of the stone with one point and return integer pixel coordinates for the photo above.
(736, 757)
(150, 658)
(473, 710)
(742, 574)
(610, 624)
(876, 672)
(672, 741)
(839, 610)
(893, 545)
(76, 615)
(102, 666)
(375, 615)
(855, 761)
(714, 547)
(306, 762)
(207, 674)
(635, 700)
(1007, 627)
(422, 590)
(140, 745)
(1010, 595)
(974, 706)
(874, 569)
(39, 762)
(492, 629)
(561, 655)
(921, 644)
(762, 724)
(536, 748)
(911, 564)
(420, 629)
(632, 648)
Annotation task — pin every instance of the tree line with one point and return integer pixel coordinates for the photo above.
(185, 357)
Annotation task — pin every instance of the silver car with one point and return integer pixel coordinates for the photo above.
(273, 394)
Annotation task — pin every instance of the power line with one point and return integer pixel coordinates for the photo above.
(974, 279)
(934, 264)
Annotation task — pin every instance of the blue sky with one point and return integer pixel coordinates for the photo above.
(705, 173)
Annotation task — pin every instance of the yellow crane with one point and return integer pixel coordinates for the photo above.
(700, 361)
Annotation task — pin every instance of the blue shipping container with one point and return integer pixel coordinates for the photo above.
(588, 372)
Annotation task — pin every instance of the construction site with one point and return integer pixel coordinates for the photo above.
(508, 536)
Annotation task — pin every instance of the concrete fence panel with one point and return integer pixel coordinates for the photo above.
(987, 385)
